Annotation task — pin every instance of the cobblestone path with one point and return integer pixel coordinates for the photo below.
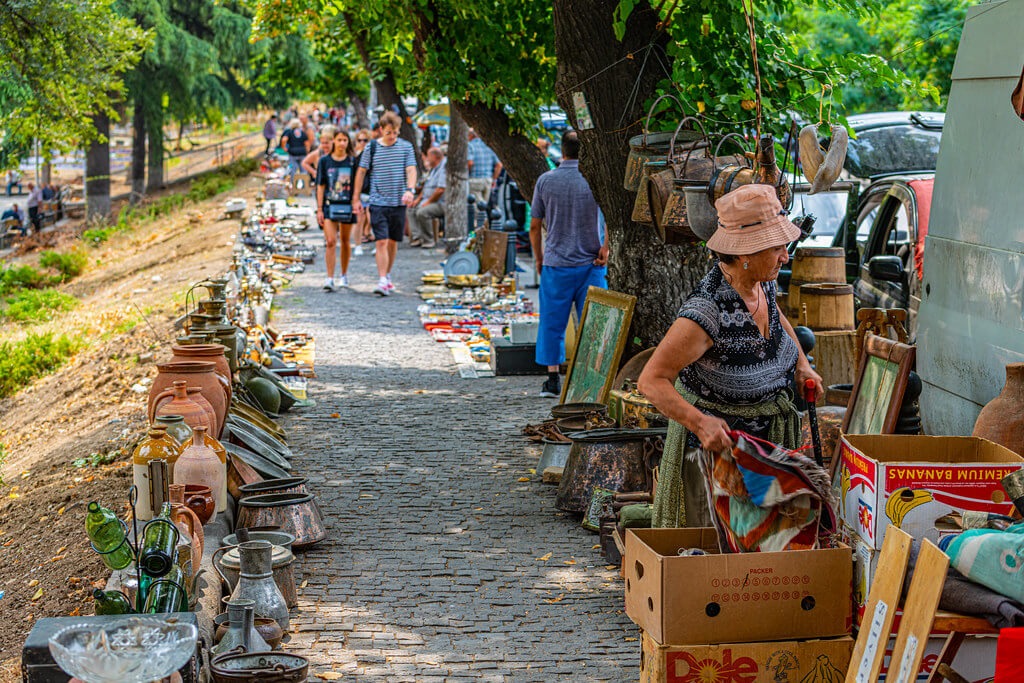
(435, 569)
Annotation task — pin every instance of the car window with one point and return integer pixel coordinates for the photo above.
(828, 208)
(865, 219)
(897, 233)
(893, 149)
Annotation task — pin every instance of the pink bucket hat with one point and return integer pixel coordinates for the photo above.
(751, 219)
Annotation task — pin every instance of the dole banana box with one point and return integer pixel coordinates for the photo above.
(914, 482)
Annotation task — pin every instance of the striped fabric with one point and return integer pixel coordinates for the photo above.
(484, 159)
(387, 177)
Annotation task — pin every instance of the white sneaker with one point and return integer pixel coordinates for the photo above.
(358, 250)
(342, 281)
(328, 284)
(391, 288)
(382, 289)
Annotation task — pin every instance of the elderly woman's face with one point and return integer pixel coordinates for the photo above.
(765, 264)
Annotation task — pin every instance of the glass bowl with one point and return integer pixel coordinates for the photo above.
(136, 650)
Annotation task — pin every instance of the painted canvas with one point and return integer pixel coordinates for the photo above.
(601, 338)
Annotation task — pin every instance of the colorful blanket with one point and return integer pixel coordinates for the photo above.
(767, 498)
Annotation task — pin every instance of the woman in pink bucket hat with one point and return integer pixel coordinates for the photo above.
(728, 360)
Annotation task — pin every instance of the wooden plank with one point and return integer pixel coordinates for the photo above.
(918, 613)
(880, 611)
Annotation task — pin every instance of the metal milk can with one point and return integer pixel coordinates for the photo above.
(256, 582)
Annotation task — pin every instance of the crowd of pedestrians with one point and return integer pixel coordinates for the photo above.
(368, 188)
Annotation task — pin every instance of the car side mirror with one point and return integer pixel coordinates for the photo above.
(889, 268)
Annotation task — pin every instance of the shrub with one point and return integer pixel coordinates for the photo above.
(37, 354)
(23, 277)
(37, 305)
(69, 264)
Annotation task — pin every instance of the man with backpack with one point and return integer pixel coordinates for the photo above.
(391, 165)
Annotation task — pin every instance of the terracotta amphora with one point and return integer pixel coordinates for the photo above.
(180, 403)
(195, 373)
(210, 353)
(1002, 419)
(199, 464)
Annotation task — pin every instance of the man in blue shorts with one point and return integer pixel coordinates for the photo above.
(392, 186)
(573, 258)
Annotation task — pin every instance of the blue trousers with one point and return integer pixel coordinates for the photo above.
(561, 288)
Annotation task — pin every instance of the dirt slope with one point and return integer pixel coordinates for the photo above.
(88, 406)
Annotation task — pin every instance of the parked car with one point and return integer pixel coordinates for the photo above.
(878, 212)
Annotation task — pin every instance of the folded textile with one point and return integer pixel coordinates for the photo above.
(766, 498)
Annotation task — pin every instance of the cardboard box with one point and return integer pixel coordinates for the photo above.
(771, 662)
(733, 598)
(975, 660)
(912, 481)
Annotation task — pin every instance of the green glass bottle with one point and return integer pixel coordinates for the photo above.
(107, 535)
(111, 602)
(167, 594)
(156, 556)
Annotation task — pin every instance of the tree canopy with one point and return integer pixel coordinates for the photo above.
(63, 61)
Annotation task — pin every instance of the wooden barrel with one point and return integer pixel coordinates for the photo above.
(826, 307)
(814, 265)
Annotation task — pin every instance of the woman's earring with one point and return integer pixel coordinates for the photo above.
(746, 265)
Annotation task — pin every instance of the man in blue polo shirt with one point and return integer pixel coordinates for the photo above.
(573, 258)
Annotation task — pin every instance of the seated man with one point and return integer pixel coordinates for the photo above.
(13, 181)
(14, 213)
(430, 203)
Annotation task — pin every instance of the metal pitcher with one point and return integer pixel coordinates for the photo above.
(241, 629)
(613, 459)
(256, 582)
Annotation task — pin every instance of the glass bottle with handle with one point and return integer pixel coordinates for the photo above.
(107, 534)
(159, 540)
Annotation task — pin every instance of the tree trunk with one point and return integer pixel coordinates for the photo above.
(659, 276)
(518, 153)
(155, 133)
(457, 180)
(138, 165)
(97, 171)
(359, 106)
(47, 172)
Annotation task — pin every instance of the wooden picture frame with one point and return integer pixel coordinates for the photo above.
(600, 341)
(882, 375)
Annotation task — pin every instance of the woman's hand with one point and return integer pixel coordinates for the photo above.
(320, 217)
(807, 373)
(713, 433)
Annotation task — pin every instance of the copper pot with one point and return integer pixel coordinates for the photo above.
(240, 474)
(295, 513)
(614, 459)
(267, 628)
(199, 499)
(195, 373)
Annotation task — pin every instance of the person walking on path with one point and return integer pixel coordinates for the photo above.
(391, 163)
(363, 234)
(573, 258)
(484, 167)
(35, 197)
(334, 196)
(270, 132)
(430, 203)
(310, 161)
(298, 144)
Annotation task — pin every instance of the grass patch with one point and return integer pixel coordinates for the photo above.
(37, 305)
(23, 277)
(37, 354)
(97, 459)
(69, 264)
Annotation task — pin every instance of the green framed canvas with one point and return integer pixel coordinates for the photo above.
(600, 341)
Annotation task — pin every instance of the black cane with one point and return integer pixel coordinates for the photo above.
(810, 394)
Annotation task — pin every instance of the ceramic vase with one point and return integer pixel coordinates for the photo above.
(1002, 419)
(176, 428)
(210, 353)
(222, 455)
(195, 373)
(156, 444)
(199, 464)
(179, 403)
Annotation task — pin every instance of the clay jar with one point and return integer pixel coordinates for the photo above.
(1002, 419)
(194, 414)
(195, 373)
(200, 500)
(156, 444)
(187, 521)
(222, 455)
(199, 464)
(211, 353)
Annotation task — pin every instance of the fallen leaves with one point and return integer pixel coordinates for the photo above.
(552, 601)
(330, 676)
(38, 594)
(335, 416)
(569, 562)
(304, 583)
(524, 479)
(544, 558)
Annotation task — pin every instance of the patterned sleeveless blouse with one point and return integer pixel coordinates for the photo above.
(742, 367)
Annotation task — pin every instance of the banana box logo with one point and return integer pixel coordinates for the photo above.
(824, 672)
(902, 501)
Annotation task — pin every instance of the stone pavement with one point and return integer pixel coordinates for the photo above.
(443, 562)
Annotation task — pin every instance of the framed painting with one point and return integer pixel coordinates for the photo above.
(878, 387)
(600, 340)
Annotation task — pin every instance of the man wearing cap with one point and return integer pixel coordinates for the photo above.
(728, 360)
(574, 256)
